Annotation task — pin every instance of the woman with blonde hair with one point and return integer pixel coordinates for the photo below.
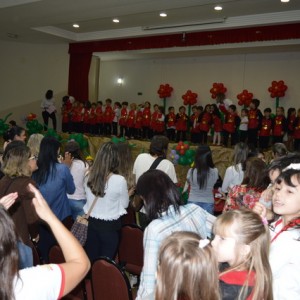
(34, 143)
(242, 243)
(187, 269)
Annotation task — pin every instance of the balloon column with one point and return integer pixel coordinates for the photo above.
(53, 133)
(33, 125)
(185, 155)
(217, 88)
(244, 98)
(189, 98)
(165, 91)
(3, 126)
(277, 90)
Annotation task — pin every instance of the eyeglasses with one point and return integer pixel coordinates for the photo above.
(33, 157)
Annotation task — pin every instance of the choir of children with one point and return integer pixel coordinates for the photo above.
(219, 121)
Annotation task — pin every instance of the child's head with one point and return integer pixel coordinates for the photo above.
(108, 102)
(194, 109)
(133, 106)
(244, 112)
(161, 109)
(200, 109)
(147, 104)
(232, 108)
(99, 103)
(93, 105)
(182, 109)
(280, 111)
(155, 107)
(171, 109)
(124, 104)
(267, 112)
(254, 103)
(207, 108)
(242, 241)
(186, 270)
(286, 199)
(279, 150)
(291, 112)
(256, 174)
(117, 104)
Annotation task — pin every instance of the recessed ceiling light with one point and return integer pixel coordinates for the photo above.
(75, 25)
(218, 7)
(115, 20)
(163, 14)
(285, 1)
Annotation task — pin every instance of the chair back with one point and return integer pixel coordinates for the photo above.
(131, 250)
(55, 255)
(35, 253)
(130, 217)
(109, 282)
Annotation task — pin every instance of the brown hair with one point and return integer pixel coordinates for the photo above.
(186, 271)
(256, 175)
(247, 228)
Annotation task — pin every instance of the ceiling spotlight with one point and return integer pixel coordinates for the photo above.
(75, 25)
(115, 20)
(163, 14)
(218, 7)
(285, 1)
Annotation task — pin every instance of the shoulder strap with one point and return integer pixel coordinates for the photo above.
(91, 208)
(156, 163)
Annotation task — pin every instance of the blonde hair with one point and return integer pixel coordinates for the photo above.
(247, 228)
(133, 106)
(186, 271)
(16, 162)
(34, 143)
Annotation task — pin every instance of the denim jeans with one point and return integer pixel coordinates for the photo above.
(209, 207)
(77, 207)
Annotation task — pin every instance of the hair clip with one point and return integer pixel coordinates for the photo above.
(292, 167)
(264, 220)
(203, 243)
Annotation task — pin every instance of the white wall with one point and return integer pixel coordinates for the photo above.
(27, 72)
(254, 72)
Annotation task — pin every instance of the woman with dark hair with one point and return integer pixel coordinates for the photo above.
(163, 208)
(78, 169)
(107, 192)
(255, 181)
(49, 109)
(15, 133)
(54, 181)
(50, 282)
(202, 178)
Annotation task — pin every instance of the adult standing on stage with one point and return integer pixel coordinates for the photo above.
(49, 109)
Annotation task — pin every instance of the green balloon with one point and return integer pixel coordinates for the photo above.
(115, 140)
(182, 160)
(189, 153)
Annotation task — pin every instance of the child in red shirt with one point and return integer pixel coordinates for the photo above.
(170, 123)
(194, 125)
(123, 119)
(157, 121)
(204, 124)
(279, 125)
(108, 117)
(265, 130)
(99, 118)
(147, 134)
(232, 122)
(181, 124)
(254, 117)
(131, 121)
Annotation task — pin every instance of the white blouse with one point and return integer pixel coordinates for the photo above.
(113, 204)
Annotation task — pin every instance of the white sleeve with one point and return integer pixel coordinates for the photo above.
(226, 180)
(42, 282)
(124, 198)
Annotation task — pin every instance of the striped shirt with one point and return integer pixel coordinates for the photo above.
(191, 218)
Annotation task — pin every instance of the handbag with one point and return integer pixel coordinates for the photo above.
(80, 226)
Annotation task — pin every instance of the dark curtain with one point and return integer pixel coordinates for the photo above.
(79, 68)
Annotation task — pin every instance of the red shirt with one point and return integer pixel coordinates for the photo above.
(218, 126)
(123, 117)
(278, 126)
(253, 117)
(297, 128)
(181, 122)
(170, 118)
(266, 127)
(99, 114)
(139, 119)
(131, 118)
(109, 115)
(205, 122)
(146, 117)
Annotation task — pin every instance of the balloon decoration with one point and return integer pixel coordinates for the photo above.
(184, 195)
(79, 138)
(277, 90)
(32, 124)
(165, 91)
(53, 133)
(3, 126)
(185, 155)
(174, 157)
(189, 98)
(244, 98)
(117, 140)
(217, 88)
